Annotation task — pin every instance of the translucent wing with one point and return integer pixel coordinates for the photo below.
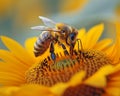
(47, 22)
(40, 28)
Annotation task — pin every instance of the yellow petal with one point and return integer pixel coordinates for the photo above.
(117, 68)
(8, 91)
(9, 58)
(113, 91)
(99, 78)
(114, 84)
(81, 33)
(77, 78)
(17, 50)
(109, 51)
(29, 45)
(115, 53)
(9, 68)
(93, 36)
(115, 77)
(81, 36)
(8, 79)
(59, 88)
(101, 45)
(33, 90)
(118, 41)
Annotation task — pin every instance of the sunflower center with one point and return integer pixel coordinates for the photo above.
(49, 73)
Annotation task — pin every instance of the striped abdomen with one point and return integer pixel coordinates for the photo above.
(42, 43)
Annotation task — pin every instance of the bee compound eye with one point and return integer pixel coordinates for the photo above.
(72, 36)
(63, 31)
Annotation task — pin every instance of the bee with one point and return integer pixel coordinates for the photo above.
(53, 33)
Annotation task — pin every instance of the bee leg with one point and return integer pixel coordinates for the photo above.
(64, 48)
(80, 51)
(79, 44)
(71, 49)
(53, 56)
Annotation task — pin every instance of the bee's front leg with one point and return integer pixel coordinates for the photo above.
(79, 44)
(73, 44)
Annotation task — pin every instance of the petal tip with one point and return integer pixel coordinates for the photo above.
(101, 25)
(2, 37)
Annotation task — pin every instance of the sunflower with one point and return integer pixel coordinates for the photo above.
(93, 70)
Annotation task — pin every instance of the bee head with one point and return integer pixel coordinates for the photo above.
(63, 28)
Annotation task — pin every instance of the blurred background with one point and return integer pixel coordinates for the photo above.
(17, 16)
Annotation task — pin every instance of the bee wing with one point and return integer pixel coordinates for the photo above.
(47, 22)
(40, 28)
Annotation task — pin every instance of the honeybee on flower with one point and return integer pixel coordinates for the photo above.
(54, 33)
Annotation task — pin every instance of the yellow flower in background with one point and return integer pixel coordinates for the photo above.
(6, 5)
(94, 71)
(25, 12)
(71, 5)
